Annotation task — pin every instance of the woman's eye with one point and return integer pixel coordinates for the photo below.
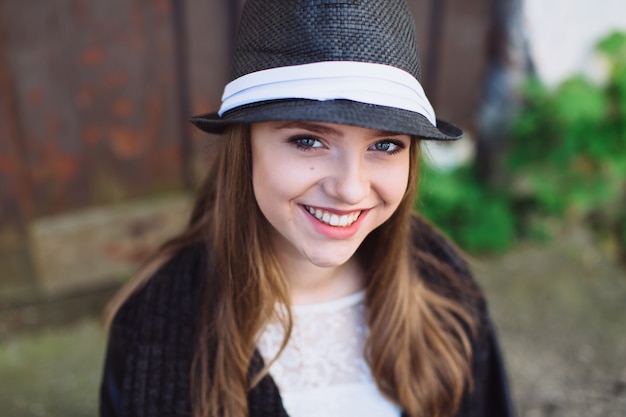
(306, 142)
(387, 146)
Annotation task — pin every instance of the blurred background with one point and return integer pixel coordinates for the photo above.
(98, 165)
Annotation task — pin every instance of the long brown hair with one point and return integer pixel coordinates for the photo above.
(418, 349)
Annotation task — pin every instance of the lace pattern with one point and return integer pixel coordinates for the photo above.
(323, 366)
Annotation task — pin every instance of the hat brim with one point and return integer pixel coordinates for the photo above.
(331, 111)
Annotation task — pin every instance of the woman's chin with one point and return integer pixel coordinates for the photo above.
(330, 260)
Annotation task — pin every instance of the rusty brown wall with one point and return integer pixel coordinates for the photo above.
(96, 93)
(90, 110)
(95, 88)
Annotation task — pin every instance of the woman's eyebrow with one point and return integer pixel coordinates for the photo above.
(313, 127)
(328, 130)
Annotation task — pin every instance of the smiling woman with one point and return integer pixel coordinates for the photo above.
(304, 285)
(332, 188)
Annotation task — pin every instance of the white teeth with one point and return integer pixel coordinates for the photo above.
(332, 218)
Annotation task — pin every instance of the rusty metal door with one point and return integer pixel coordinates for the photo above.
(90, 111)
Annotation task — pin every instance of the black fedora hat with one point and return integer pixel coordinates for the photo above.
(352, 62)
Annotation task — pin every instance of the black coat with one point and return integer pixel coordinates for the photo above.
(148, 357)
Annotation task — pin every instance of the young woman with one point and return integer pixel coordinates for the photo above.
(304, 283)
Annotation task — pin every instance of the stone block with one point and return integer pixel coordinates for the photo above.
(88, 249)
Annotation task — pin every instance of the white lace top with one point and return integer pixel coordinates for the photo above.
(322, 371)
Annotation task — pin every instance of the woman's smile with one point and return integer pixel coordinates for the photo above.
(333, 224)
(332, 218)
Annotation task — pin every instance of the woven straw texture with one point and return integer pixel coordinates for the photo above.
(325, 30)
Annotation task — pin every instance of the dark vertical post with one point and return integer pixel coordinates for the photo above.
(16, 200)
(182, 81)
(507, 62)
(435, 31)
(13, 117)
(234, 11)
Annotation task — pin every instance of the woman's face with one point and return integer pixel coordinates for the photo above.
(324, 187)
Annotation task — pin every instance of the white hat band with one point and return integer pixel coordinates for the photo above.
(363, 82)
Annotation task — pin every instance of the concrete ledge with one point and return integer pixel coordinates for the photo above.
(35, 314)
(102, 246)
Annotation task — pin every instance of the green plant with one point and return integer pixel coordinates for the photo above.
(478, 218)
(566, 161)
(569, 146)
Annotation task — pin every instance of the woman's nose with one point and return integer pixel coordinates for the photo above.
(348, 181)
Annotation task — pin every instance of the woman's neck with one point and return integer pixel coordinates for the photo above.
(309, 283)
